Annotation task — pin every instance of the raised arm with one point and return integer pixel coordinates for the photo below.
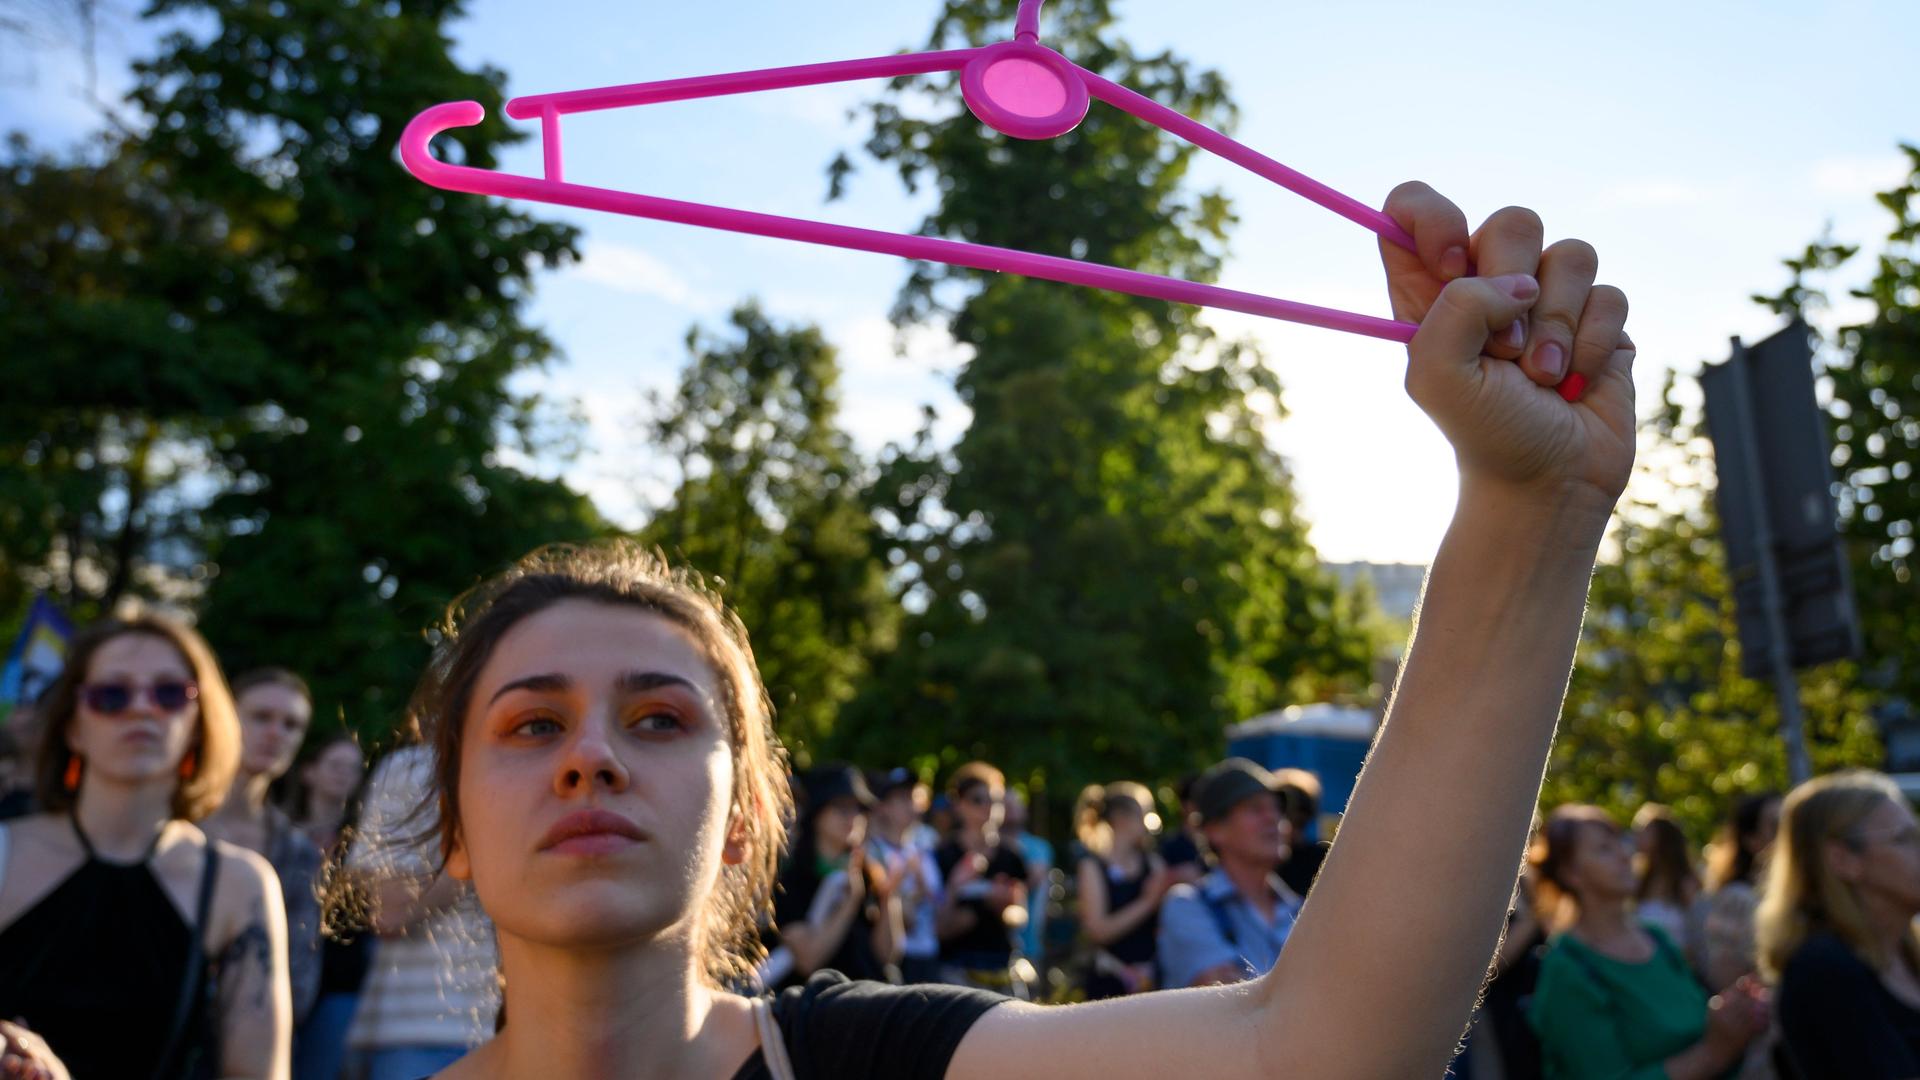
(1406, 913)
(250, 972)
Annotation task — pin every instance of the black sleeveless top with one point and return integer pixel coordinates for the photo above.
(97, 969)
(1138, 946)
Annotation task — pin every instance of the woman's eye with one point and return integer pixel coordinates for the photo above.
(538, 725)
(657, 723)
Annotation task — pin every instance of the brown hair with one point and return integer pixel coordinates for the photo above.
(271, 676)
(1802, 896)
(975, 774)
(1093, 814)
(1729, 859)
(1665, 865)
(216, 742)
(1553, 849)
(625, 574)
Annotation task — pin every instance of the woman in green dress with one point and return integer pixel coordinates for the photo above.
(1616, 999)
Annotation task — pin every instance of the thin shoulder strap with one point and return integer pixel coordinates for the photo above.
(195, 968)
(773, 1046)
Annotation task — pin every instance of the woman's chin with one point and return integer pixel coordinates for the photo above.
(594, 914)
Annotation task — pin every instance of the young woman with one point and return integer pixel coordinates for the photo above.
(275, 709)
(834, 909)
(984, 883)
(608, 779)
(1836, 929)
(1723, 920)
(1121, 883)
(131, 944)
(1615, 998)
(328, 780)
(1668, 885)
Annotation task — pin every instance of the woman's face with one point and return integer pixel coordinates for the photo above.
(596, 776)
(1885, 868)
(336, 772)
(1602, 865)
(273, 720)
(840, 825)
(136, 716)
(1129, 825)
(980, 807)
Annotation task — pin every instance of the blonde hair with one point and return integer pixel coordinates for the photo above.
(1802, 896)
(622, 573)
(212, 758)
(1093, 813)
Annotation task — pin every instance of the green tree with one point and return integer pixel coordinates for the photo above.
(768, 505)
(352, 331)
(1873, 371)
(1108, 565)
(1657, 709)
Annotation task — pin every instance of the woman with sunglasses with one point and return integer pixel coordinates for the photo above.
(984, 884)
(1836, 929)
(130, 944)
(606, 774)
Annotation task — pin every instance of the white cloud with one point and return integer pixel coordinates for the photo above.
(631, 270)
(1861, 174)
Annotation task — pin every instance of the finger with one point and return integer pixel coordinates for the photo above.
(1467, 312)
(1508, 243)
(1601, 331)
(1567, 270)
(1440, 240)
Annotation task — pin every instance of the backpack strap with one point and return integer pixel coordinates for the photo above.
(192, 979)
(1217, 907)
(773, 1045)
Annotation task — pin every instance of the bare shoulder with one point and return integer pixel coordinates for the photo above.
(50, 831)
(245, 879)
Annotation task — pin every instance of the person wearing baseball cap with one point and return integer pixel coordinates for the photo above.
(1232, 923)
(894, 844)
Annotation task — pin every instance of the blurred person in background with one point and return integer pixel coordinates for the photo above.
(431, 994)
(16, 775)
(1669, 887)
(275, 709)
(1121, 882)
(898, 845)
(1178, 847)
(1836, 929)
(1514, 977)
(329, 778)
(1038, 853)
(1299, 792)
(131, 943)
(326, 809)
(1615, 998)
(1231, 924)
(835, 909)
(1723, 919)
(984, 883)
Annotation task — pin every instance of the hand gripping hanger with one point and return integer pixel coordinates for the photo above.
(1019, 88)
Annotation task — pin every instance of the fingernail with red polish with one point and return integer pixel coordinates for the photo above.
(1552, 360)
(1453, 263)
(1518, 286)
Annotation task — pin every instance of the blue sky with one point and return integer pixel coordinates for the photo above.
(1693, 143)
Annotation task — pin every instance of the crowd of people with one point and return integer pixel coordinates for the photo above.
(1787, 950)
(588, 857)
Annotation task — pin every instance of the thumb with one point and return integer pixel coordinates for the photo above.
(1466, 313)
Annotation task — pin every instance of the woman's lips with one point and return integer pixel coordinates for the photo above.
(591, 832)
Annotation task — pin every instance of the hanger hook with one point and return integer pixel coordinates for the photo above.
(1026, 25)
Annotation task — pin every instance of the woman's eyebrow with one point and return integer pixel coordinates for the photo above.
(539, 683)
(638, 681)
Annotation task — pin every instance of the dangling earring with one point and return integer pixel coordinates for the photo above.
(189, 765)
(72, 779)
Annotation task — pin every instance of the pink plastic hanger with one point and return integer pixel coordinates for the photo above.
(1019, 88)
